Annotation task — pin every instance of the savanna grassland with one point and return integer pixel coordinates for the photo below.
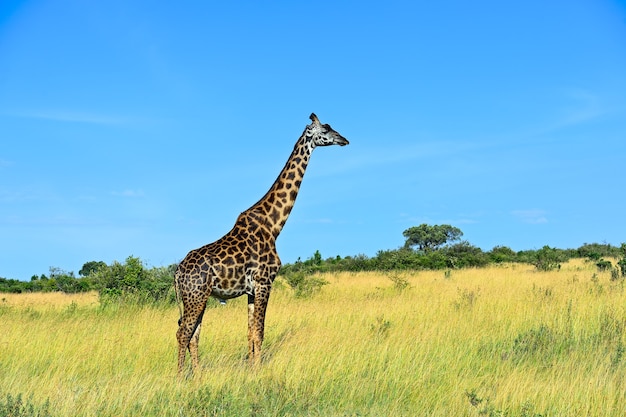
(500, 341)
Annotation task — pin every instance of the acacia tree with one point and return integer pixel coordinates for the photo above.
(91, 267)
(427, 238)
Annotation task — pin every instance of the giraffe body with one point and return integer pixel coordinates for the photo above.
(245, 261)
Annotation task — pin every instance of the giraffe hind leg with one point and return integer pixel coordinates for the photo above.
(193, 347)
(188, 336)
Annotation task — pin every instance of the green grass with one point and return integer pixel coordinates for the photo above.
(501, 341)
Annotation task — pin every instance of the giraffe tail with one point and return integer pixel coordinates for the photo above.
(178, 299)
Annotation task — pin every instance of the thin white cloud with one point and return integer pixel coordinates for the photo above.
(533, 216)
(48, 221)
(321, 221)
(581, 106)
(72, 116)
(129, 193)
(25, 194)
(586, 106)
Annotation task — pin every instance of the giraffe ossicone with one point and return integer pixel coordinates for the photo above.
(245, 261)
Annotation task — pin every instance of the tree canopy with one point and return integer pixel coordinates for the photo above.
(427, 238)
(91, 267)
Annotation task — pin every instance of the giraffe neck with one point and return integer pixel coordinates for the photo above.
(276, 204)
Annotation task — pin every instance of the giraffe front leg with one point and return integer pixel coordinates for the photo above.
(256, 324)
(250, 327)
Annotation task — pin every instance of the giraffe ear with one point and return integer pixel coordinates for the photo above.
(314, 118)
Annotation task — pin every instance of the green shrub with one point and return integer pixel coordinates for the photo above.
(604, 265)
(133, 283)
(534, 341)
(380, 329)
(400, 283)
(548, 259)
(622, 262)
(16, 407)
(465, 255)
(501, 254)
(304, 285)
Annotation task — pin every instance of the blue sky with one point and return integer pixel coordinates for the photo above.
(136, 128)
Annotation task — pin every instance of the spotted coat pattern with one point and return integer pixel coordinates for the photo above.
(244, 261)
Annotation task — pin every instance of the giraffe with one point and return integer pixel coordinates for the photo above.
(245, 261)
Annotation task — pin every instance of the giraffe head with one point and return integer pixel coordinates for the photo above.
(322, 134)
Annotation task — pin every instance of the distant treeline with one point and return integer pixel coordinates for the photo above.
(129, 279)
(462, 255)
(426, 247)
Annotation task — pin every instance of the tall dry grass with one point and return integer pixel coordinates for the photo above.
(500, 341)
